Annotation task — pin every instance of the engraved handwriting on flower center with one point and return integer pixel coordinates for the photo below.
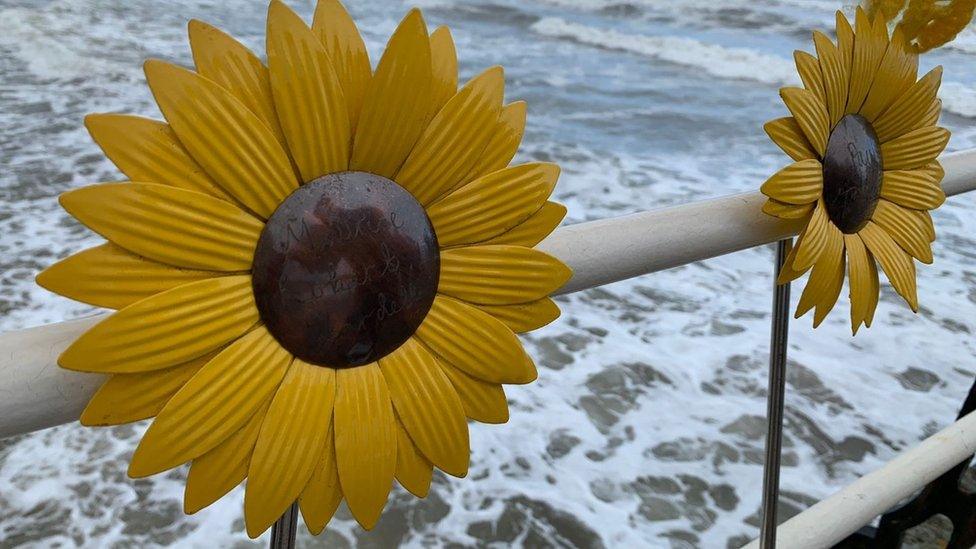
(346, 269)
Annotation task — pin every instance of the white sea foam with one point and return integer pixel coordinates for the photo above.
(714, 59)
(958, 98)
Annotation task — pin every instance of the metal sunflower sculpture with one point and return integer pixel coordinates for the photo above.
(864, 139)
(319, 269)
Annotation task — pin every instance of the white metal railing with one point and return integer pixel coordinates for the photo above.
(35, 393)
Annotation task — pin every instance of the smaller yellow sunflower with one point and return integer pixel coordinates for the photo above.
(864, 139)
(319, 269)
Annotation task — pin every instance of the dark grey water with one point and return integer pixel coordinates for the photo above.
(645, 427)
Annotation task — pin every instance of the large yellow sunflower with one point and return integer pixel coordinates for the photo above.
(319, 269)
(864, 139)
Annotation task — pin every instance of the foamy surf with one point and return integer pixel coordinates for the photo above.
(713, 59)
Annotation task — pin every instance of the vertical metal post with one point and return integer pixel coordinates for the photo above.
(775, 399)
(283, 531)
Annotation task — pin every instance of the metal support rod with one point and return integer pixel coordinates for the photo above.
(775, 398)
(283, 530)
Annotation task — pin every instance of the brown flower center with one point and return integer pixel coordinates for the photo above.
(346, 269)
(852, 171)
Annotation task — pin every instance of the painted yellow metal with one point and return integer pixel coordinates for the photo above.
(533, 229)
(109, 276)
(148, 150)
(492, 204)
(482, 400)
(166, 329)
(413, 470)
(427, 406)
(454, 139)
(395, 104)
(474, 342)
(347, 52)
(307, 95)
(125, 398)
(290, 444)
(251, 165)
(322, 494)
(216, 403)
(504, 142)
(444, 69)
(220, 470)
(187, 344)
(171, 225)
(365, 441)
(500, 274)
(221, 58)
(873, 77)
(524, 317)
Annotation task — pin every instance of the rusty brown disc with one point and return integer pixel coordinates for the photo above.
(346, 269)
(852, 172)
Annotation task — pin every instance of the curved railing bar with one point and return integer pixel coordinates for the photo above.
(832, 520)
(35, 393)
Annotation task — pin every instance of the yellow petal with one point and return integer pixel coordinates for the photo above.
(347, 52)
(895, 75)
(218, 471)
(365, 441)
(914, 149)
(413, 471)
(814, 239)
(916, 189)
(290, 444)
(788, 272)
(809, 69)
(214, 404)
(475, 342)
(799, 183)
(787, 135)
(787, 211)
(845, 46)
(909, 110)
(524, 317)
(810, 115)
(322, 494)
(148, 150)
(428, 406)
(834, 74)
(925, 220)
(932, 115)
(221, 58)
(869, 48)
(500, 275)
(166, 329)
(492, 204)
(863, 274)
(235, 147)
(108, 276)
(394, 111)
(826, 279)
(125, 398)
(307, 96)
(482, 401)
(455, 138)
(907, 230)
(504, 142)
(534, 229)
(897, 264)
(174, 226)
(444, 69)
